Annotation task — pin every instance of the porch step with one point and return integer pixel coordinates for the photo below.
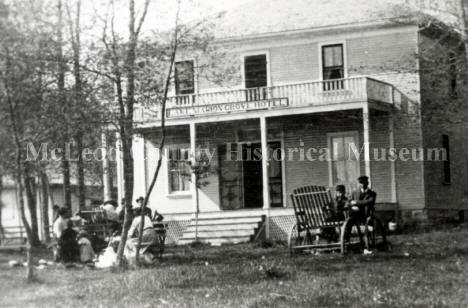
(220, 233)
(216, 241)
(227, 221)
(223, 229)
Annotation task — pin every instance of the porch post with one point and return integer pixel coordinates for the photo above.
(119, 163)
(266, 188)
(106, 179)
(365, 120)
(392, 162)
(193, 161)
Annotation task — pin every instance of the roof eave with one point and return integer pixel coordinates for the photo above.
(317, 30)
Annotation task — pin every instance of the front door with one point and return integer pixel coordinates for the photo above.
(241, 180)
(252, 172)
(275, 174)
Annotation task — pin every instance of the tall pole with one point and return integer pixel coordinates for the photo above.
(193, 160)
(265, 178)
(366, 128)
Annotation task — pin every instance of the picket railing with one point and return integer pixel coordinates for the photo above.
(314, 93)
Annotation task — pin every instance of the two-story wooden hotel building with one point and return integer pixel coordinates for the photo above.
(311, 77)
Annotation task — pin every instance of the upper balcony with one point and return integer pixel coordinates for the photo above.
(293, 95)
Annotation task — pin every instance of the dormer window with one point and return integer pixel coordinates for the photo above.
(184, 77)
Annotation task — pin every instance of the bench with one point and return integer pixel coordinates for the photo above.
(13, 238)
(311, 205)
(97, 226)
(310, 208)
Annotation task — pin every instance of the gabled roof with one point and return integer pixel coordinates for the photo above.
(259, 17)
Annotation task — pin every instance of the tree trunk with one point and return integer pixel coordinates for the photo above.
(18, 161)
(45, 206)
(163, 139)
(29, 259)
(66, 184)
(463, 22)
(75, 31)
(106, 173)
(31, 200)
(128, 195)
(81, 176)
(1, 204)
(126, 117)
(65, 111)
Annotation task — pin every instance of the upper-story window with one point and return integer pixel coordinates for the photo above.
(184, 77)
(333, 66)
(255, 68)
(256, 76)
(333, 63)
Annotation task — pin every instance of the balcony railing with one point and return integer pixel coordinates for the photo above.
(292, 95)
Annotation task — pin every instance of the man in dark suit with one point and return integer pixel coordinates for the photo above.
(362, 200)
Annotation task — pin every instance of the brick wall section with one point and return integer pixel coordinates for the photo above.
(444, 115)
(379, 144)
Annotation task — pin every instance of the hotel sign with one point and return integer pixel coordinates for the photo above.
(186, 111)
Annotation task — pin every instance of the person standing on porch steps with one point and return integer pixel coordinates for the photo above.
(362, 200)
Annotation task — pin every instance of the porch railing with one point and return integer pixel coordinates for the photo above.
(314, 93)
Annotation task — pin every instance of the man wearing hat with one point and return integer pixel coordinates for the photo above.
(362, 200)
(139, 201)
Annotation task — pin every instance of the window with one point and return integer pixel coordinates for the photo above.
(255, 71)
(344, 164)
(179, 170)
(446, 147)
(333, 66)
(184, 78)
(453, 75)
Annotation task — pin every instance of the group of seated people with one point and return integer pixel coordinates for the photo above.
(72, 245)
(359, 205)
(78, 246)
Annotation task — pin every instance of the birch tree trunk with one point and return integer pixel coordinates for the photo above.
(31, 200)
(126, 116)
(45, 205)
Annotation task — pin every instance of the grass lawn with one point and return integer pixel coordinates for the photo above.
(421, 270)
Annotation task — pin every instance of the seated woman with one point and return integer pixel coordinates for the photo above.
(69, 250)
(86, 249)
(149, 238)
